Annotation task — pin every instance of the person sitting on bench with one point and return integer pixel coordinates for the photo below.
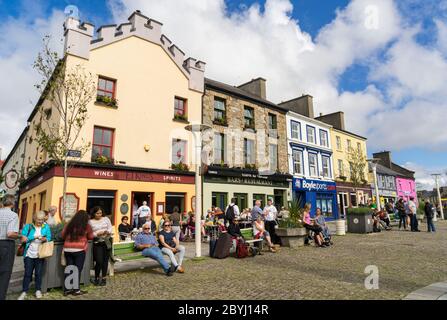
(321, 222)
(147, 243)
(260, 232)
(170, 246)
(312, 227)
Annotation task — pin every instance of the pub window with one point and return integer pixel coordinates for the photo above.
(180, 107)
(241, 200)
(104, 199)
(175, 199)
(219, 109)
(106, 87)
(260, 197)
(219, 200)
(219, 148)
(178, 151)
(102, 143)
(249, 117)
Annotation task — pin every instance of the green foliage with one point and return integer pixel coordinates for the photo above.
(182, 117)
(220, 121)
(180, 167)
(103, 160)
(56, 231)
(421, 208)
(357, 164)
(250, 166)
(359, 211)
(111, 102)
(295, 219)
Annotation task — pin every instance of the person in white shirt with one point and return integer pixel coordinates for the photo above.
(270, 214)
(413, 215)
(143, 212)
(51, 221)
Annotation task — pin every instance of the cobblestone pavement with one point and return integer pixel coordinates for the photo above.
(407, 261)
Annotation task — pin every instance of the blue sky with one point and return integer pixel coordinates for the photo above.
(367, 76)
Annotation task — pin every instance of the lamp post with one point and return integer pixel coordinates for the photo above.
(197, 130)
(374, 162)
(436, 176)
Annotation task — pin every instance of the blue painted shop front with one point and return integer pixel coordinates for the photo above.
(320, 194)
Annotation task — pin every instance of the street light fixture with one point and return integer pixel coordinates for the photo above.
(374, 162)
(197, 130)
(436, 176)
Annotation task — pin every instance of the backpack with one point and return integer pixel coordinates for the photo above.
(229, 214)
(241, 249)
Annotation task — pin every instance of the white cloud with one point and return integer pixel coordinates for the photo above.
(424, 178)
(20, 42)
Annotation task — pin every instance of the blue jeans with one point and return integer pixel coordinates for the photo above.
(430, 225)
(155, 253)
(30, 266)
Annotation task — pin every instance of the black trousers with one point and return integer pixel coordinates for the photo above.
(7, 255)
(76, 259)
(270, 227)
(101, 257)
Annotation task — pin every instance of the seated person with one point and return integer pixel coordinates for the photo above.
(321, 222)
(124, 228)
(234, 230)
(384, 219)
(147, 243)
(309, 225)
(260, 232)
(218, 214)
(170, 246)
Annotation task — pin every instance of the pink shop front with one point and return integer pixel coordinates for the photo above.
(406, 188)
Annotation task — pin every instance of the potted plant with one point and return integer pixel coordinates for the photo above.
(359, 220)
(180, 166)
(108, 101)
(290, 230)
(180, 117)
(103, 160)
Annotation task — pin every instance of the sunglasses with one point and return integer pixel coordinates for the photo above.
(167, 225)
(146, 228)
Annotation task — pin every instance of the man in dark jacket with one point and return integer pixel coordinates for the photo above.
(429, 213)
(400, 206)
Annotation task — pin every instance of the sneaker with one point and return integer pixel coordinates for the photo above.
(79, 293)
(180, 269)
(172, 269)
(22, 296)
(38, 294)
(115, 260)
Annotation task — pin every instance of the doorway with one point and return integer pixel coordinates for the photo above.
(24, 213)
(279, 199)
(137, 201)
(104, 199)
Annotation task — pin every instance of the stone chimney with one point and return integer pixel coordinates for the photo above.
(385, 158)
(303, 105)
(256, 87)
(78, 37)
(336, 119)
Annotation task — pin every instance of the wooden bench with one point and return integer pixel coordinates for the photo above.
(249, 238)
(125, 251)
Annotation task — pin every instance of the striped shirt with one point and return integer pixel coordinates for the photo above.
(9, 222)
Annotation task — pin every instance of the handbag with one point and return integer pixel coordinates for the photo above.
(46, 249)
(21, 248)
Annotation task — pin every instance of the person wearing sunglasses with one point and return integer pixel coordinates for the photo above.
(170, 246)
(147, 243)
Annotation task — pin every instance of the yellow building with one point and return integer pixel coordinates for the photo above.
(152, 92)
(348, 148)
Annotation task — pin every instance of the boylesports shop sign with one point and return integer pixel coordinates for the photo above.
(313, 185)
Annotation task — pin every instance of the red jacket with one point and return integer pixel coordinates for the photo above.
(81, 242)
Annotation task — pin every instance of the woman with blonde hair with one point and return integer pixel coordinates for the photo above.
(33, 235)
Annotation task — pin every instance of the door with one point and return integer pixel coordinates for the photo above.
(279, 199)
(241, 200)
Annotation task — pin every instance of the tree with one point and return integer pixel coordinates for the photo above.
(65, 92)
(357, 164)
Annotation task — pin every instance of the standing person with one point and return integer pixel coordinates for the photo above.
(33, 235)
(143, 212)
(124, 228)
(400, 206)
(135, 214)
(170, 246)
(429, 211)
(256, 210)
(9, 231)
(76, 235)
(175, 223)
(413, 215)
(51, 221)
(102, 231)
(270, 215)
(231, 211)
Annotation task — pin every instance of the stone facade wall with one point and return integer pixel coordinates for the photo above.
(235, 133)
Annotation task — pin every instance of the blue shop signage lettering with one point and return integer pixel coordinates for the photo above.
(313, 185)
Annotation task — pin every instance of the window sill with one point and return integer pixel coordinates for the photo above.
(105, 105)
(180, 120)
(225, 124)
(248, 129)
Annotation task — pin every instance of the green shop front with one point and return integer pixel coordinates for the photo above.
(221, 184)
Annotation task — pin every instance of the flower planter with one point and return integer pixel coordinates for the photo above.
(53, 271)
(292, 237)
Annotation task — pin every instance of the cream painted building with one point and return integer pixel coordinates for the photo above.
(348, 193)
(147, 93)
